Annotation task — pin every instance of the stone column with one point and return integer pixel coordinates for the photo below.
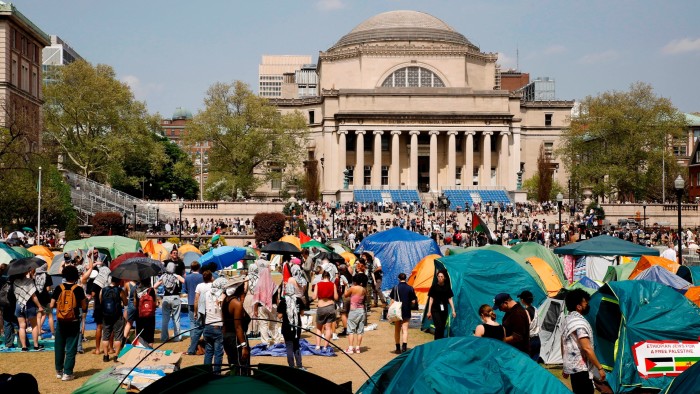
(377, 166)
(504, 160)
(486, 158)
(327, 159)
(515, 158)
(359, 177)
(395, 174)
(413, 182)
(451, 158)
(342, 155)
(468, 173)
(433, 160)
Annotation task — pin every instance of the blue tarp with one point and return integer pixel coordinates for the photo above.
(279, 350)
(659, 274)
(399, 250)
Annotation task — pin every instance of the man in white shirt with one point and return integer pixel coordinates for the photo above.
(670, 253)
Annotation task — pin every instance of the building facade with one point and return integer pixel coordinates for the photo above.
(59, 53)
(272, 69)
(407, 102)
(175, 129)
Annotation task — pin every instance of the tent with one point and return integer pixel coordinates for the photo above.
(23, 251)
(693, 294)
(550, 279)
(589, 285)
(422, 277)
(518, 258)
(114, 244)
(463, 365)
(7, 254)
(528, 249)
(647, 261)
(551, 316)
(188, 248)
(155, 250)
(661, 275)
(398, 250)
(476, 277)
(623, 314)
(694, 275)
(619, 272)
(41, 250)
(687, 382)
(605, 245)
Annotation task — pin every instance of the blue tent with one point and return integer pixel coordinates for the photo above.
(399, 250)
(463, 365)
(661, 275)
(476, 277)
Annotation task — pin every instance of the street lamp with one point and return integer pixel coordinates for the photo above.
(333, 223)
(134, 217)
(560, 199)
(180, 206)
(679, 184)
(445, 202)
(157, 212)
(644, 208)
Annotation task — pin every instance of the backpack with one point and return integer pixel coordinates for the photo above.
(111, 301)
(147, 305)
(5, 294)
(66, 305)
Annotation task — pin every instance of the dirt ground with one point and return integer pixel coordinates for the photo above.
(377, 350)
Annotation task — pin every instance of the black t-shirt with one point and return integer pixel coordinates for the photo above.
(79, 297)
(441, 296)
(96, 290)
(179, 266)
(43, 294)
(516, 322)
(288, 332)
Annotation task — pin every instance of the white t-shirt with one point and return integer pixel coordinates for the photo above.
(202, 289)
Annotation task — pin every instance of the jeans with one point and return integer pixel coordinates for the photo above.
(66, 346)
(11, 329)
(214, 348)
(197, 326)
(171, 310)
(293, 352)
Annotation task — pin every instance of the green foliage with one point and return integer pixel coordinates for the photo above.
(544, 174)
(249, 138)
(531, 186)
(618, 140)
(174, 240)
(597, 209)
(292, 208)
(269, 226)
(104, 223)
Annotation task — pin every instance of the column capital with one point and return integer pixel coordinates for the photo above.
(360, 132)
(470, 132)
(378, 132)
(414, 132)
(343, 132)
(434, 132)
(505, 133)
(487, 132)
(395, 132)
(452, 132)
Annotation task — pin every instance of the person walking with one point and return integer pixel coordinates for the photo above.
(515, 321)
(112, 299)
(146, 312)
(526, 299)
(131, 311)
(356, 295)
(405, 294)
(68, 299)
(490, 328)
(439, 299)
(170, 309)
(191, 282)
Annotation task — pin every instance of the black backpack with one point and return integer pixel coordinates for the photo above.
(5, 294)
(111, 301)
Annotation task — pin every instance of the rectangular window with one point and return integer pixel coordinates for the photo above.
(385, 175)
(35, 82)
(312, 117)
(549, 149)
(276, 183)
(24, 81)
(368, 175)
(548, 119)
(15, 71)
(680, 150)
(351, 174)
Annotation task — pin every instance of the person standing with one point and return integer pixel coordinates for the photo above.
(515, 321)
(191, 282)
(112, 300)
(577, 346)
(264, 307)
(490, 328)
(356, 317)
(200, 307)
(10, 323)
(172, 283)
(235, 324)
(213, 335)
(145, 301)
(27, 308)
(44, 287)
(405, 294)
(68, 299)
(526, 299)
(326, 294)
(290, 308)
(439, 300)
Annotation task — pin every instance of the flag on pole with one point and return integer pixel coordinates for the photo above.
(303, 238)
(479, 226)
(138, 341)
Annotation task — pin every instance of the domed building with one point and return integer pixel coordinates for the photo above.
(407, 102)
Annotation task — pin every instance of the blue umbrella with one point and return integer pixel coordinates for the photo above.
(189, 257)
(223, 256)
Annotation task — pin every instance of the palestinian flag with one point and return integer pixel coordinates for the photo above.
(479, 226)
(660, 364)
(303, 238)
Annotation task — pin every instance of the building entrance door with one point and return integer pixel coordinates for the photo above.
(424, 173)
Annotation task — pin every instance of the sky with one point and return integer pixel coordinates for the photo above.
(171, 51)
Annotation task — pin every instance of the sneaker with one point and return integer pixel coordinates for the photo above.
(105, 358)
(67, 378)
(302, 369)
(25, 349)
(40, 347)
(334, 337)
(357, 350)
(59, 374)
(349, 350)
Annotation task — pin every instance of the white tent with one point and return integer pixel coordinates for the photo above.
(551, 314)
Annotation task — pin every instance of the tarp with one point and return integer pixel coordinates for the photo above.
(399, 251)
(518, 258)
(661, 275)
(550, 279)
(695, 275)
(647, 261)
(619, 272)
(114, 244)
(476, 277)
(463, 365)
(421, 277)
(280, 350)
(625, 313)
(605, 245)
(528, 249)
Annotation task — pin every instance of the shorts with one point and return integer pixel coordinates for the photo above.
(346, 305)
(29, 311)
(97, 315)
(116, 327)
(131, 313)
(356, 321)
(325, 314)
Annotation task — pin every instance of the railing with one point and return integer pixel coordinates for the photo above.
(201, 205)
(684, 207)
(473, 187)
(383, 187)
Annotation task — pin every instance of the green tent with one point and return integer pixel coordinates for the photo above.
(619, 272)
(605, 245)
(476, 277)
(463, 365)
(623, 314)
(518, 258)
(8, 254)
(529, 249)
(24, 252)
(114, 244)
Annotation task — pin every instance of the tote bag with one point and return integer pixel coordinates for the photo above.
(394, 314)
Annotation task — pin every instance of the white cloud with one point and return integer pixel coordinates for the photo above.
(553, 49)
(141, 90)
(599, 57)
(681, 46)
(506, 61)
(330, 5)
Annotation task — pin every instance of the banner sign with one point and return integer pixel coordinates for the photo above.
(665, 358)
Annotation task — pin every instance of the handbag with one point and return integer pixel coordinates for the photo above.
(394, 314)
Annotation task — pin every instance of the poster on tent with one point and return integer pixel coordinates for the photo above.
(665, 358)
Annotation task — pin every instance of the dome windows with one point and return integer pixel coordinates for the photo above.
(413, 77)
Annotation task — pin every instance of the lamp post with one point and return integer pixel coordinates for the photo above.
(157, 212)
(180, 207)
(560, 199)
(445, 202)
(644, 209)
(134, 217)
(333, 223)
(679, 184)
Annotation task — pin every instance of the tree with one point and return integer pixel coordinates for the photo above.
(617, 141)
(250, 140)
(96, 122)
(544, 175)
(269, 226)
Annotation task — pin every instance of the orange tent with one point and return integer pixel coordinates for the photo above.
(422, 277)
(647, 261)
(549, 277)
(41, 250)
(693, 294)
(349, 258)
(155, 250)
(292, 240)
(188, 248)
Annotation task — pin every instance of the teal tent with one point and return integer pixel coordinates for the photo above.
(529, 249)
(623, 314)
(605, 245)
(114, 244)
(476, 277)
(687, 382)
(695, 275)
(463, 365)
(518, 258)
(619, 272)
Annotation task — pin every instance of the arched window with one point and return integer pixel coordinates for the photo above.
(413, 77)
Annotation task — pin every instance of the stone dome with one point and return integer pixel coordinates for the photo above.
(181, 113)
(402, 26)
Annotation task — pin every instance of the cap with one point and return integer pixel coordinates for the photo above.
(499, 299)
(526, 295)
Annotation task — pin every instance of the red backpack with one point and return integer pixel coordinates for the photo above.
(147, 305)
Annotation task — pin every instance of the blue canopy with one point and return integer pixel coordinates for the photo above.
(399, 250)
(605, 245)
(659, 274)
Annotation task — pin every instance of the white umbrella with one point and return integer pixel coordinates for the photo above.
(16, 234)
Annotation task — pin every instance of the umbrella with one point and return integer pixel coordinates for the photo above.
(292, 240)
(23, 251)
(121, 259)
(339, 247)
(315, 244)
(15, 234)
(189, 257)
(349, 257)
(280, 247)
(333, 257)
(188, 248)
(41, 250)
(29, 229)
(24, 265)
(137, 268)
(223, 256)
(7, 254)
